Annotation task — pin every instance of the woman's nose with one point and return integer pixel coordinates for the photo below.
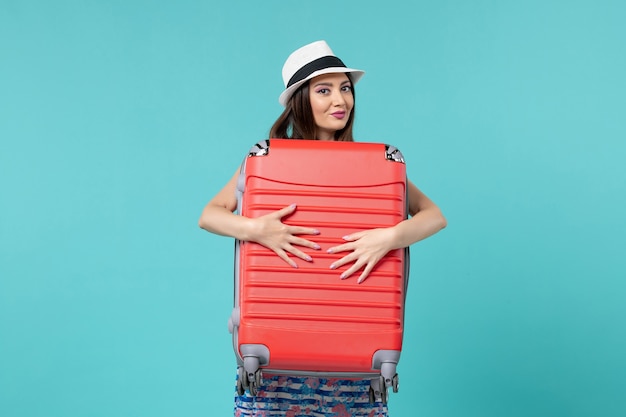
(338, 98)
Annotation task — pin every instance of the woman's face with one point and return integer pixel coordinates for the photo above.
(332, 102)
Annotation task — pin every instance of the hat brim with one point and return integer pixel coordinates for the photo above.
(355, 75)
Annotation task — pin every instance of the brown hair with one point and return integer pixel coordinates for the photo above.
(297, 122)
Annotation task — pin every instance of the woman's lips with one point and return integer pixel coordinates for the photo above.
(339, 114)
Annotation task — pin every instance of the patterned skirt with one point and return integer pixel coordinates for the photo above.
(292, 396)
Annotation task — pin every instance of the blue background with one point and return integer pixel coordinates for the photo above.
(119, 120)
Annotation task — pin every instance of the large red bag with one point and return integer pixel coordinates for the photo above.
(307, 321)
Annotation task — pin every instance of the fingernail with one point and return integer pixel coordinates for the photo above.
(359, 281)
(308, 258)
(295, 265)
(316, 232)
(333, 266)
(293, 205)
(329, 251)
(317, 247)
(343, 276)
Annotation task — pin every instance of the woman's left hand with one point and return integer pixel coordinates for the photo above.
(367, 249)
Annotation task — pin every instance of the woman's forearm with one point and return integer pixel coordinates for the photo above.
(423, 224)
(218, 215)
(221, 221)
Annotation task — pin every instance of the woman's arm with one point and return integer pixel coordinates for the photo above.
(269, 231)
(426, 219)
(368, 247)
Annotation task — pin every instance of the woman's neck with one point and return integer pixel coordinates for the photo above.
(325, 135)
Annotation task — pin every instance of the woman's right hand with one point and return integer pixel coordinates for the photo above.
(271, 232)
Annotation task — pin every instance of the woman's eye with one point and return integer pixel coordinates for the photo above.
(346, 88)
(323, 91)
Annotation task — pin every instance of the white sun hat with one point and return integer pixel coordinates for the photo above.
(310, 61)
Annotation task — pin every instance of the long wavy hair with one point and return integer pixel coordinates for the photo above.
(297, 121)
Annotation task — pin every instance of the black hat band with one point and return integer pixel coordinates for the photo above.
(315, 65)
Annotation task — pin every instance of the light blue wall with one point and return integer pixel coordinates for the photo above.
(120, 119)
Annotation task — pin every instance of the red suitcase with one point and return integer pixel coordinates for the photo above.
(307, 321)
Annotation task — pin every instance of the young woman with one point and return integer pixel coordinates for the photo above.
(319, 104)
